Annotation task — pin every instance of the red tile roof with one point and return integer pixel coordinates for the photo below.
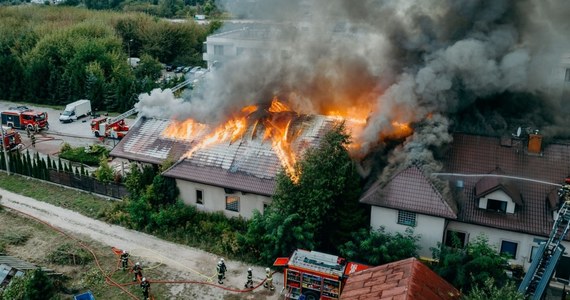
(407, 279)
(472, 154)
(487, 185)
(409, 190)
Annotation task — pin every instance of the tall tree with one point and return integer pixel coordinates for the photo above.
(321, 204)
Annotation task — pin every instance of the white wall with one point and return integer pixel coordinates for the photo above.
(498, 195)
(496, 236)
(429, 228)
(214, 199)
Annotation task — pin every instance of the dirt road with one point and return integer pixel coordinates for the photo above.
(185, 263)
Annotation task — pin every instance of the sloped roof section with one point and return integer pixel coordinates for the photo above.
(144, 142)
(250, 163)
(407, 279)
(487, 185)
(409, 190)
(472, 154)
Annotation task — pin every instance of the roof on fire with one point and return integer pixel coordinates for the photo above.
(145, 143)
(404, 279)
(248, 164)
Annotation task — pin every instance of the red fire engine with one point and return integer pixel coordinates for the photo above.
(315, 275)
(11, 140)
(115, 128)
(27, 118)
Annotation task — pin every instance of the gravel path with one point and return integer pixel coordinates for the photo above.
(183, 262)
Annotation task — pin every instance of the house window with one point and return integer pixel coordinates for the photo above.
(406, 218)
(496, 205)
(509, 248)
(567, 75)
(455, 239)
(232, 203)
(218, 50)
(199, 197)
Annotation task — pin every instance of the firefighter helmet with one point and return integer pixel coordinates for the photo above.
(138, 263)
(249, 269)
(124, 251)
(144, 279)
(222, 259)
(267, 270)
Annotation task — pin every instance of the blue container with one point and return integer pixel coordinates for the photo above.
(85, 296)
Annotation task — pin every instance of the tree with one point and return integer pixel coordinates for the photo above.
(377, 247)
(35, 285)
(163, 191)
(466, 268)
(489, 291)
(104, 173)
(318, 209)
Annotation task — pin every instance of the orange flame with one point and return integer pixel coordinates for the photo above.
(188, 129)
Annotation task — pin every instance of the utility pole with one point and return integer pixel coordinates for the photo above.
(4, 150)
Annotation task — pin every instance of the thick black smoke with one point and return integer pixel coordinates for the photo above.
(443, 65)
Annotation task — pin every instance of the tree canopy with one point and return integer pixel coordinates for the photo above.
(319, 210)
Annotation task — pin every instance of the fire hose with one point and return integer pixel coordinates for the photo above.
(121, 286)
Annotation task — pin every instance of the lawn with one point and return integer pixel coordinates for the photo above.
(39, 241)
(82, 202)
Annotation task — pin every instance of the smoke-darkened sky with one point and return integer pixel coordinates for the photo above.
(484, 66)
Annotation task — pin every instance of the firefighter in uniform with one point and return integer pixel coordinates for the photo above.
(224, 269)
(249, 283)
(137, 269)
(33, 137)
(125, 260)
(28, 131)
(268, 280)
(145, 286)
(220, 274)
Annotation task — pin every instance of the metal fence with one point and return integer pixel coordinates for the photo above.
(88, 184)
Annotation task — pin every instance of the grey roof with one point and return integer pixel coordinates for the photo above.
(409, 190)
(145, 143)
(249, 164)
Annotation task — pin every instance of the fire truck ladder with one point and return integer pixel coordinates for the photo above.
(546, 258)
(181, 85)
(126, 114)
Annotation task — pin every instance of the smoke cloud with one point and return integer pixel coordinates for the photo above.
(487, 66)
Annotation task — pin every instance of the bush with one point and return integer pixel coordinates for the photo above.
(86, 155)
(14, 238)
(69, 254)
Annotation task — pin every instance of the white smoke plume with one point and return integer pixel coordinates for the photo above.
(486, 62)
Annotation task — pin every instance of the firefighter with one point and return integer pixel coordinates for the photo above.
(224, 268)
(125, 259)
(28, 131)
(220, 273)
(33, 137)
(249, 283)
(145, 286)
(268, 280)
(137, 269)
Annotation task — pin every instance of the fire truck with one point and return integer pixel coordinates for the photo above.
(315, 275)
(26, 118)
(115, 128)
(12, 139)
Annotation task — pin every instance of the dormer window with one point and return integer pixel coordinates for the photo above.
(497, 205)
(497, 194)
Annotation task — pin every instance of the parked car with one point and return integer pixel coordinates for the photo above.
(179, 69)
(195, 69)
(186, 69)
(169, 68)
(20, 108)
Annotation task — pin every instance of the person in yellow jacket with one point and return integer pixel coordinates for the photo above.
(268, 280)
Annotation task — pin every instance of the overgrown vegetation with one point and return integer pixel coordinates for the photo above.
(490, 291)
(90, 155)
(33, 285)
(14, 237)
(47, 59)
(69, 254)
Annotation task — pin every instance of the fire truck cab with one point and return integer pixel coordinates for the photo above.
(104, 127)
(27, 118)
(315, 275)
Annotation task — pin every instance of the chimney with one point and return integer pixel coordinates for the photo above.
(534, 142)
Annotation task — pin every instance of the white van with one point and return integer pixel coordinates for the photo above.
(75, 110)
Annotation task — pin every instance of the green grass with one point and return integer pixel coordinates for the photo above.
(79, 201)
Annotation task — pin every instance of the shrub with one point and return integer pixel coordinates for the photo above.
(90, 155)
(14, 238)
(69, 254)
